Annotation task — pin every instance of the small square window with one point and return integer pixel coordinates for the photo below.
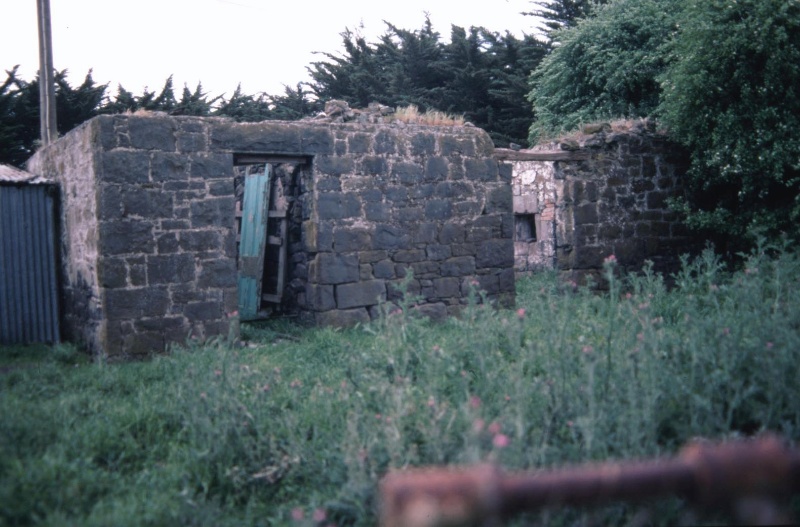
(525, 227)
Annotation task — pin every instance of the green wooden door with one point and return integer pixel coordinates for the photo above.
(253, 240)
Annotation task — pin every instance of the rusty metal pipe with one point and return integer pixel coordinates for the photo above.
(707, 474)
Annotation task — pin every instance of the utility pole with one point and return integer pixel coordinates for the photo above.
(47, 94)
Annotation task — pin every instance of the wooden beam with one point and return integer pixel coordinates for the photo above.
(505, 154)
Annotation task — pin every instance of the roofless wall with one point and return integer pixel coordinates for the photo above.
(154, 209)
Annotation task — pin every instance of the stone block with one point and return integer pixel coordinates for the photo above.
(200, 240)
(266, 136)
(425, 269)
(408, 214)
(480, 169)
(126, 236)
(438, 252)
(436, 312)
(316, 140)
(374, 166)
(458, 266)
(146, 203)
(359, 143)
(124, 166)
(371, 256)
(446, 287)
(526, 204)
(331, 268)
(385, 143)
(346, 239)
(438, 209)
(338, 205)
(220, 188)
(169, 167)
(409, 256)
(499, 200)
(170, 269)
(152, 133)
(366, 293)
(586, 213)
(657, 200)
(135, 303)
(212, 166)
(397, 195)
(495, 253)
(383, 269)
(452, 233)
(452, 145)
(375, 211)
(220, 272)
(343, 318)
(390, 237)
(113, 273)
(407, 173)
(333, 165)
(195, 311)
(320, 297)
(213, 212)
(436, 169)
(191, 142)
(425, 233)
(423, 144)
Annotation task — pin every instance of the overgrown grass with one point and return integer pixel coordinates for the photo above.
(303, 422)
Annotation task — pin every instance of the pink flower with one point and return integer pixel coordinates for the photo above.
(319, 515)
(494, 428)
(610, 259)
(298, 514)
(769, 345)
(217, 373)
(508, 397)
(431, 401)
(500, 441)
(570, 424)
(474, 402)
(587, 350)
(521, 313)
(477, 426)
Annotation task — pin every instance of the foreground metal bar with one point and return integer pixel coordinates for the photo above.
(745, 474)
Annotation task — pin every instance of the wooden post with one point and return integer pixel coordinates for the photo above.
(47, 94)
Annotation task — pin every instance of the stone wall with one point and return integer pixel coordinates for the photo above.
(600, 194)
(73, 159)
(150, 236)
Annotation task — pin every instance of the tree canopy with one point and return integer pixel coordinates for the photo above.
(732, 94)
(604, 66)
(478, 73)
(721, 75)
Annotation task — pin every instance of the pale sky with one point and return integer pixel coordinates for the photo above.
(261, 43)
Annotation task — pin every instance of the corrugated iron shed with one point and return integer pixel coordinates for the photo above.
(28, 258)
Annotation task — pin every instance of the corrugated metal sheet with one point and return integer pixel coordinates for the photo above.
(28, 274)
(9, 174)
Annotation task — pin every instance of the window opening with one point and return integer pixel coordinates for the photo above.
(526, 227)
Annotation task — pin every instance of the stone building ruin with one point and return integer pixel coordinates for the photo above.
(178, 227)
(600, 193)
(172, 225)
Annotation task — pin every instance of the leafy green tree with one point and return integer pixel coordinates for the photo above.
(557, 14)
(732, 95)
(605, 66)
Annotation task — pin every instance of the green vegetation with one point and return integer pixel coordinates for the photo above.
(305, 421)
(720, 75)
(605, 66)
(731, 95)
